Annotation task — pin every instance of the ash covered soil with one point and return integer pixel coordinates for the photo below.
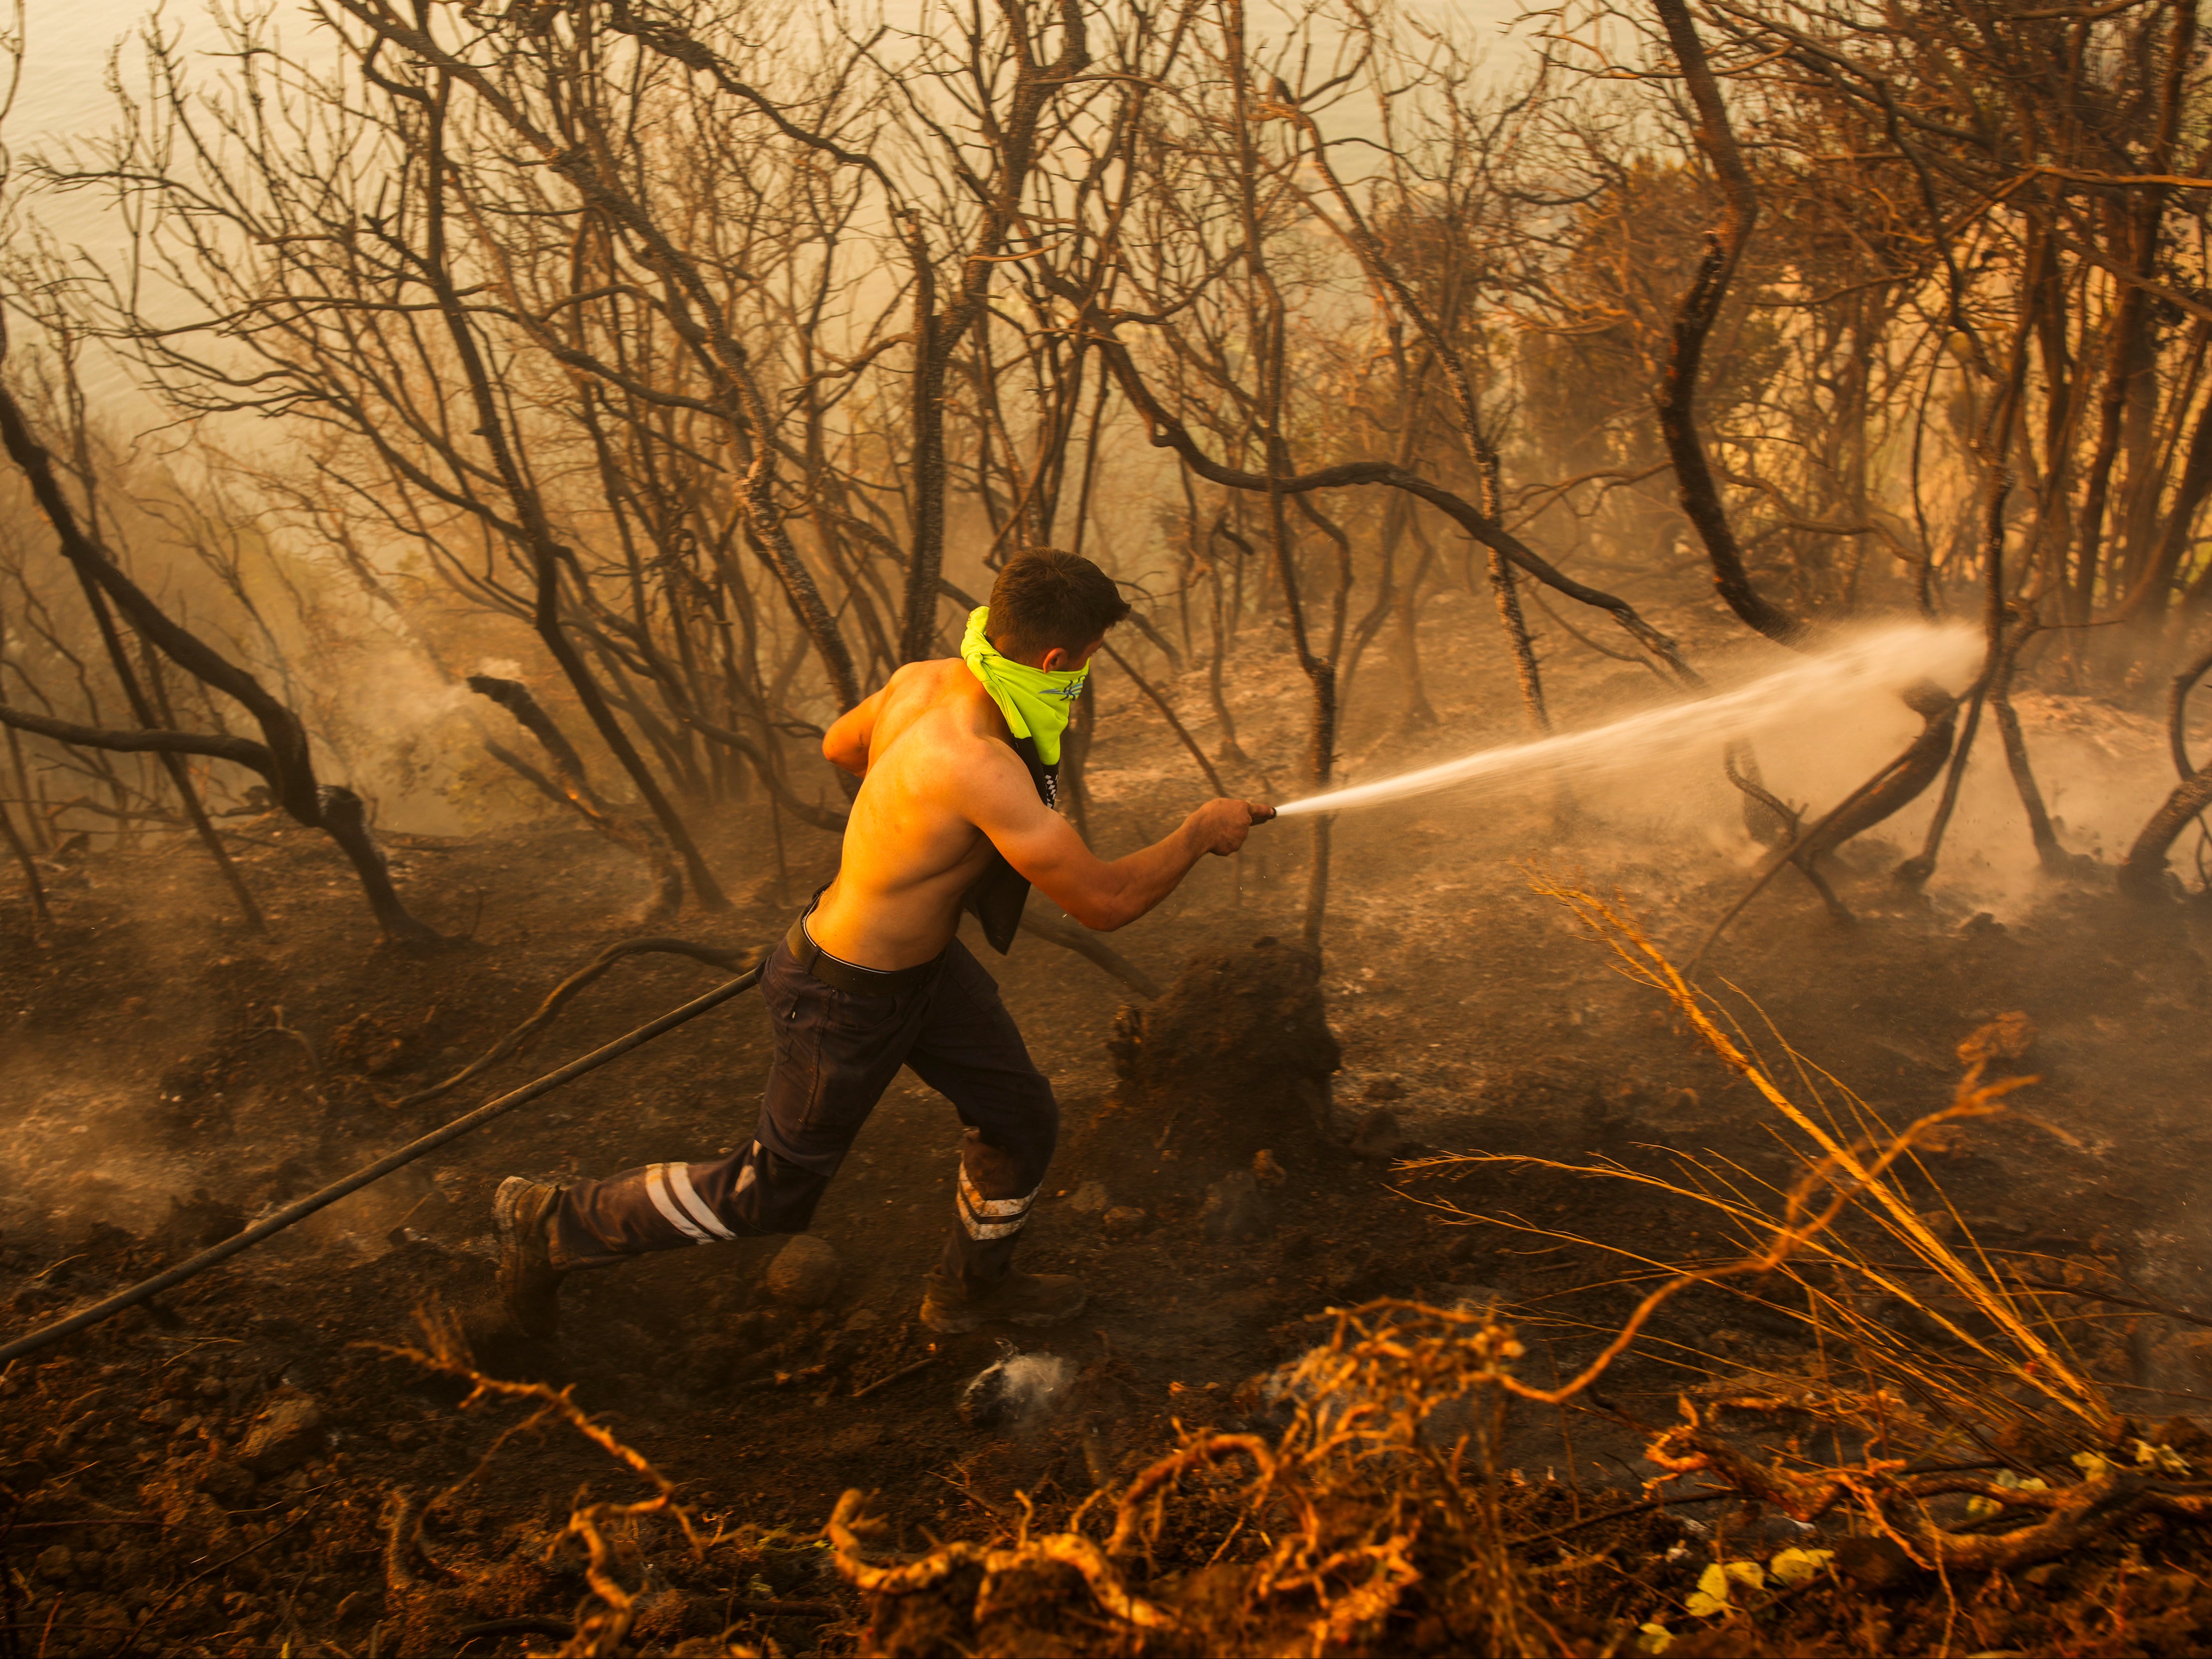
(254, 1466)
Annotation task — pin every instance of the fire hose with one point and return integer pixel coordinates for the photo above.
(299, 1210)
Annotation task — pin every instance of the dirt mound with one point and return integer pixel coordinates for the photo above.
(1236, 1056)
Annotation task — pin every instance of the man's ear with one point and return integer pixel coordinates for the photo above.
(1060, 660)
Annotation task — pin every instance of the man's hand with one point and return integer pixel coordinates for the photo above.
(1220, 826)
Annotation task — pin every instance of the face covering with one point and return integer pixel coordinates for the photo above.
(1036, 704)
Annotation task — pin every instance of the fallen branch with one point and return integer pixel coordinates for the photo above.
(561, 994)
(1789, 854)
(1088, 945)
(903, 1371)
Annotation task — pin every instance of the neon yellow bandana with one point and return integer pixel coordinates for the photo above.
(1036, 704)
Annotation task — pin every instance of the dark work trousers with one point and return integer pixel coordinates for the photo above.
(836, 1051)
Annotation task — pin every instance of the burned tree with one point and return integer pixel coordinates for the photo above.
(282, 756)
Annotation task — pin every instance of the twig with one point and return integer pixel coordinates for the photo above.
(155, 1613)
(772, 1608)
(1644, 1508)
(922, 1364)
(1003, 1511)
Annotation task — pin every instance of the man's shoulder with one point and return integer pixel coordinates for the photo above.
(976, 773)
(915, 676)
(945, 737)
(978, 754)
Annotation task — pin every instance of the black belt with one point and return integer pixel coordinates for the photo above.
(842, 975)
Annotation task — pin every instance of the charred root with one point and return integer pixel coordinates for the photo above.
(2143, 872)
(1904, 781)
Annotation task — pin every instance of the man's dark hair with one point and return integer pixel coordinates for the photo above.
(1047, 598)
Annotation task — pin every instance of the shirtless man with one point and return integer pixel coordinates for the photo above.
(958, 760)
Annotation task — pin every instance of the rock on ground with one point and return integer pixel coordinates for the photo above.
(1235, 1210)
(806, 1273)
(289, 1432)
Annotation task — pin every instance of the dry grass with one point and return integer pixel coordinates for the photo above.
(1993, 1379)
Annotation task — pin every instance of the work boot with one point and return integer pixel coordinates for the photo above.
(529, 1283)
(949, 1307)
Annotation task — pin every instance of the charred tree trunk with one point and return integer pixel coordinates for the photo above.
(546, 554)
(1913, 872)
(1695, 313)
(938, 332)
(1525, 667)
(143, 708)
(2049, 853)
(2142, 872)
(1922, 765)
(34, 888)
(283, 758)
(338, 813)
(1225, 609)
(576, 790)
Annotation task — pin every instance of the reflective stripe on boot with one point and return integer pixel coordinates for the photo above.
(987, 1219)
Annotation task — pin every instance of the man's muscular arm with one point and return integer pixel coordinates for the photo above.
(1101, 895)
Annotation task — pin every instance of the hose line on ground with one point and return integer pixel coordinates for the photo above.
(269, 1225)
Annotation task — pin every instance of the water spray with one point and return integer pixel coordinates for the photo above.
(1875, 661)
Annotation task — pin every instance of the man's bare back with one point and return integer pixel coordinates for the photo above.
(941, 786)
